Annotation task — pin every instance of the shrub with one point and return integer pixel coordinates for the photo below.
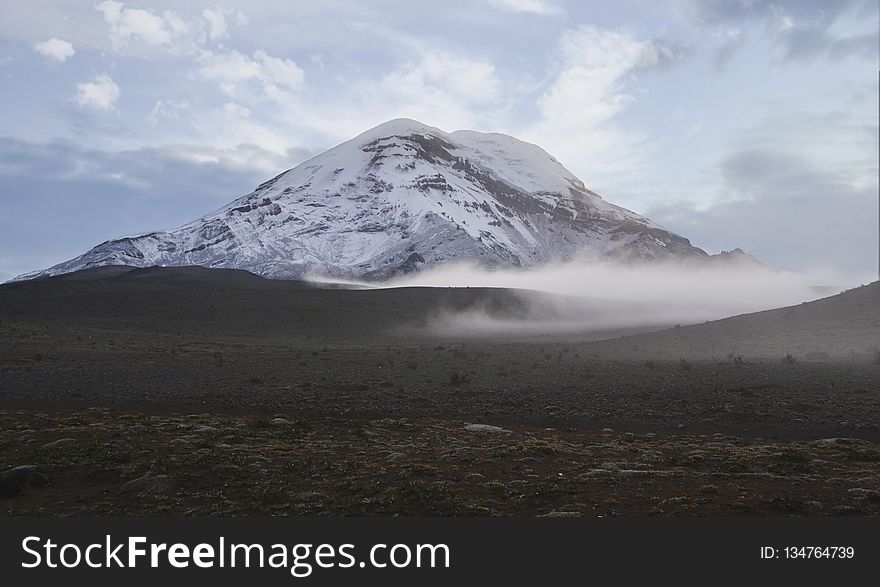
(788, 359)
(650, 363)
(457, 379)
(684, 365)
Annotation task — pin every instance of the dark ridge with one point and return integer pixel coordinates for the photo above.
(122, 277)
(842, 326)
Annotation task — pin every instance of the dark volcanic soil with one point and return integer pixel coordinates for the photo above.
(104, 462)
(215, 392)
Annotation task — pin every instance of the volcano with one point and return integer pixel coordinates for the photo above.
(399, 198)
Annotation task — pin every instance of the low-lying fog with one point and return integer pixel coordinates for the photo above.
(609, 297)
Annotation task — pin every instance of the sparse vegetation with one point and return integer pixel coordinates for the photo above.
(684, 364)
(121, 463)
(432, 498)
(457, 379)
(788, 359)
(650, 364)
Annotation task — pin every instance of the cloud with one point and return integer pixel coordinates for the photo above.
(166, 109)
(247, 158)
(128, 24)
(56, 49)
(784, 13)
(234, 71)
(604, 296)
(588, 90)
(100, 93)
(238, 139)
(447, 75)
(541, 7)
(445, 88)
(803, 43)
(217, 25)
(735, 40)
(803, 29)
(578, 109)
(788, 212)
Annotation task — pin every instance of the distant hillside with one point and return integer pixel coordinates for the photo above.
(843, 326)
(236, 303)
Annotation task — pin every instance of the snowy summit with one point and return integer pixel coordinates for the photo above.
(401, 197)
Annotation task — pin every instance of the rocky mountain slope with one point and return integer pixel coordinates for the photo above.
(401, 197)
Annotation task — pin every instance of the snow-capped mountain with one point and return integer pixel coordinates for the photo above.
(397, 198)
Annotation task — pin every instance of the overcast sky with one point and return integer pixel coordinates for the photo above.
(736, 123)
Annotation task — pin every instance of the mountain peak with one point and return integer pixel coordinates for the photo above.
(397, 198)
(398, 127)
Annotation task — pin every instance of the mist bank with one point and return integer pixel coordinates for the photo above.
(593, 297)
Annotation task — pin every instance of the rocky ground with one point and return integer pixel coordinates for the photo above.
(99, 461)
(228, 398)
